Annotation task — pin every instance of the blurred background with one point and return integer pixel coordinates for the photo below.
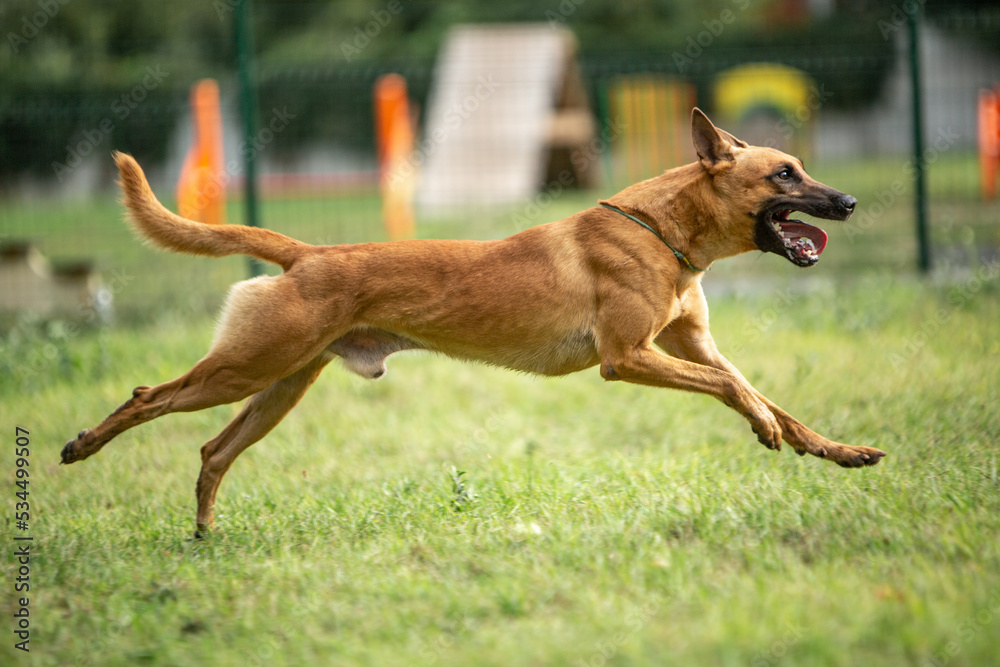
(366, 120)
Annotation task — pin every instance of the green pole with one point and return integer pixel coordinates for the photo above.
(923, 232)
(243, 30)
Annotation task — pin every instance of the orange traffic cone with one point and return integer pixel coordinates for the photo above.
(394, 136)
(201, 189)
(989, 141)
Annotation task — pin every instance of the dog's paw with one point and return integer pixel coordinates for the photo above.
(846, 456)
(768, 440)
(765, 425)
(79, 449)
(857, 457)
(205, 531)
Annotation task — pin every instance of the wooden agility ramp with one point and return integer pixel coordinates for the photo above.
(506, 108)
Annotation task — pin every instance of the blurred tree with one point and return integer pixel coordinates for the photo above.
(65, 63)
(74, 74)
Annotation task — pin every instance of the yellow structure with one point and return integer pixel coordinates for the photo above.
(653, 115)
(786, 93)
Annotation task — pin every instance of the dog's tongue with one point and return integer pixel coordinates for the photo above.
(795, 229)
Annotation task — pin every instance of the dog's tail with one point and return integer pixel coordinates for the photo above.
(162, 228)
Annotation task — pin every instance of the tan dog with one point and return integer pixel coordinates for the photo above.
(594, 288)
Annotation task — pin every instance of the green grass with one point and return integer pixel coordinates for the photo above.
(596, 523)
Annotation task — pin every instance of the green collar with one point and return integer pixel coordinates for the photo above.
(677, 253)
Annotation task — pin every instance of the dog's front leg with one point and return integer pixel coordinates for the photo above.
(690, 339)
(643, 364)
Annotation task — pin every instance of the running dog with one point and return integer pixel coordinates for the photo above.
(616, 286)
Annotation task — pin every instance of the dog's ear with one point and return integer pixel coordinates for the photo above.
(731, 139)
(714, 146)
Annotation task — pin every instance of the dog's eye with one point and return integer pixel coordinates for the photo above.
(784, 175)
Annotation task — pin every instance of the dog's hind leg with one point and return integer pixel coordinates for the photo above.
(261, 413)
(264, 336)
(208, 384)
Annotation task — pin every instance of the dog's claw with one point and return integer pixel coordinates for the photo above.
(67, 455)
(873, 456)
(773, 442)
(860, 459)
(79, 449)
(202, 532)
(767, 443)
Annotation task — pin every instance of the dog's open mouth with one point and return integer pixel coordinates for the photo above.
(799, 242)
(803, 242)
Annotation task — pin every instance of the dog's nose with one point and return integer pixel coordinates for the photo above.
(848, 202)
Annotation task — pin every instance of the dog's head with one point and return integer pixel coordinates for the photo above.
(762, 187)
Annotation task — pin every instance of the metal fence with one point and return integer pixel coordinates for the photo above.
(317, 167)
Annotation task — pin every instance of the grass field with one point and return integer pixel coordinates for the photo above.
(454, 514)
(593, 524)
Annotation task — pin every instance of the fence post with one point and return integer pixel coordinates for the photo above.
(923, 233)
(243, 32)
